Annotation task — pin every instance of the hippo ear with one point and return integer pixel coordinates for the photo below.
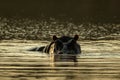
(76, 37)
(54, 37)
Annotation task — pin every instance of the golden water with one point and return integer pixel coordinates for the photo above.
(100, 60)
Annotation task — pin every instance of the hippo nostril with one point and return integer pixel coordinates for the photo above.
(60, 52)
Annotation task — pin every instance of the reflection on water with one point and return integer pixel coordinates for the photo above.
(18, 64)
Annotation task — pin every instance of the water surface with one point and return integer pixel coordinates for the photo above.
(100, 60)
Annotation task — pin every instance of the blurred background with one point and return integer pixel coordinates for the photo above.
(82, 15)
(72, 8)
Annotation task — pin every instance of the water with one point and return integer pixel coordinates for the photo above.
(100, 60)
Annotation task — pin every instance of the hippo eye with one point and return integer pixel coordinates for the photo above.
(71, 44)
(71, 41)
(59, 45)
